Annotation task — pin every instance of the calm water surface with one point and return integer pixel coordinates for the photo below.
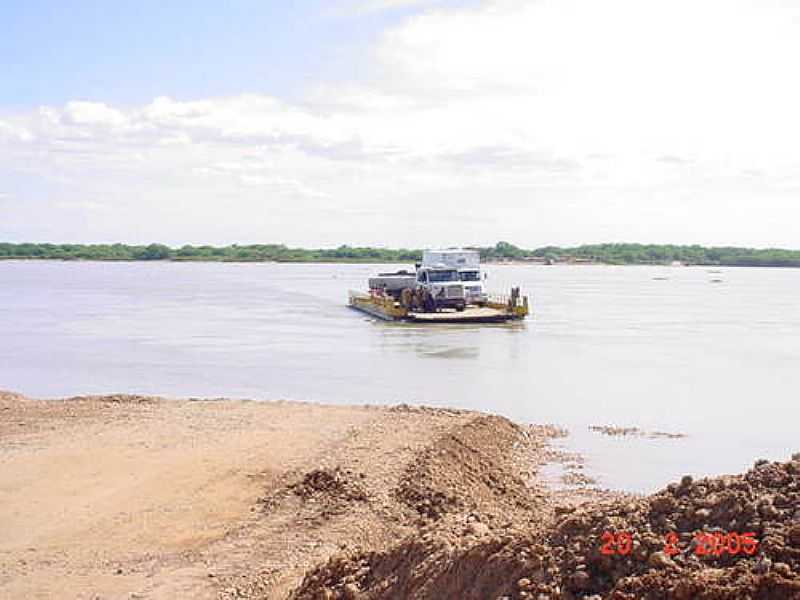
(607, 345)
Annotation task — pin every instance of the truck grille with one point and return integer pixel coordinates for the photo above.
(454, 291)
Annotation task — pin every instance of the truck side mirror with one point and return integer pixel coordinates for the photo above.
(486, 276)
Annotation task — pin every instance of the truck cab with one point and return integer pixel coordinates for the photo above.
(468, 265)
(473, 285)
(443, 285)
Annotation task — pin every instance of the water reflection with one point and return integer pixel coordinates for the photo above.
(472, 352)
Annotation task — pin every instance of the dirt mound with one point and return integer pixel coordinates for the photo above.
(468, 563)
(684, 534)
(464, 471)
(470, 497)
(667, 549)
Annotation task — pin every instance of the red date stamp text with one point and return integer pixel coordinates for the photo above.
(717, 544)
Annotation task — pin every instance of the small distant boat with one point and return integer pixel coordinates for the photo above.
(717, 281)
(660, 278)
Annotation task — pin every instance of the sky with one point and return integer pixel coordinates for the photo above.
(413, 123)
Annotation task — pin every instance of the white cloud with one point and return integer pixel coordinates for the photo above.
(176, 139)
(282, 185)
(612, 76)
(14, 133)
(91, 113)
(582, 119)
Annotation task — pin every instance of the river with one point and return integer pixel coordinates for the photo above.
(710, 353)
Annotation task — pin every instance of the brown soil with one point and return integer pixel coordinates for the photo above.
(132, 497)
(524, 553)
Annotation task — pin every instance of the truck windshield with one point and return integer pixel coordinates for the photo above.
(440, 276)
(470, 276)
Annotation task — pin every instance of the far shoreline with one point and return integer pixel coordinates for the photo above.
(502, 252)
(493, 263)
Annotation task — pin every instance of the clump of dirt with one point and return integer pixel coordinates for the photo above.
(614, 431)
(548, 431)
(329, 492)
(573, 477)
(337, 483)
(559, 554)
(575, 482)
(116, 399)
(410, 408)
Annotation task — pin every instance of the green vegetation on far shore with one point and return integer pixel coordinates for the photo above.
(617, 254)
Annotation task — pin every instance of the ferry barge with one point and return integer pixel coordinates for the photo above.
(445, 288)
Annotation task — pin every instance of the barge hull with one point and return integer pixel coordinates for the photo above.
(389, 310)
(373, 311)
(469, 315)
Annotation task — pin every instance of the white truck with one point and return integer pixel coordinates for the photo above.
(430, 288)
(468, 265)
(442, 287)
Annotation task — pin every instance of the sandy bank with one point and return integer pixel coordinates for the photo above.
(112, 496)
(133, 497)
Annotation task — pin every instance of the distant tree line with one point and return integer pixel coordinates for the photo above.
(617, 254)
(652, 254)
(235, 252)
